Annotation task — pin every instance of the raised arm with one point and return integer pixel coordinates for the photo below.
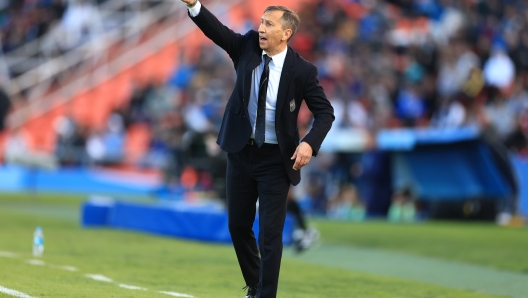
(224, 37)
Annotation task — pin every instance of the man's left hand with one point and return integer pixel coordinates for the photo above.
(302, 155)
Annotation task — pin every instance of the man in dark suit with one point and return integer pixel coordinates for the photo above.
(259, 132)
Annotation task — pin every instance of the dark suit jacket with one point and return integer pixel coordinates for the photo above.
(298, 81)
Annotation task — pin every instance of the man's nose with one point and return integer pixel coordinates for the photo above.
(261, 28)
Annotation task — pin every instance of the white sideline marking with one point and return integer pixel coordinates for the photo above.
(36, 262)
(132, 287)
(67, 268)
(99, 277)
(13, 293)
(176, 294)
(42, 263)
(6, 254)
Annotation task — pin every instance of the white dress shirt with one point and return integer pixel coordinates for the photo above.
(275, 67)
(275, 70)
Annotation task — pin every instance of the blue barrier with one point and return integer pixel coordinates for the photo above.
(14, 179)
(95, 213)
(177, 219)
(75, 180)
(455, 172)
(409, 138)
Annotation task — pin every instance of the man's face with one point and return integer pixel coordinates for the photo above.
(271, 32)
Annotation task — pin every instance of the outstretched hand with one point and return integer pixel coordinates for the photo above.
(302, 155)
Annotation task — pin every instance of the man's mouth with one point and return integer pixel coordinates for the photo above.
(263, 38)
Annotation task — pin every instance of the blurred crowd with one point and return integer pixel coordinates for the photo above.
(421, 63)
(24, 21)
(383, 64)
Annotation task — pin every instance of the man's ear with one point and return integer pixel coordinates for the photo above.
(287, 34)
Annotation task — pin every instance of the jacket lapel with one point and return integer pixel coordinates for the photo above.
(287, 71)
(255, 60)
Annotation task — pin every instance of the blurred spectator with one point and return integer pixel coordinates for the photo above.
(58, 7)
(451, 114)
(80, 21)
(71, 142)
(5, 105)
(216, 165)
(347, 205)
(517, 140)
(316, 192)
(136, 111)
(410, 105)
(106, 146)
(24, 21)
(500, 113)
(159, 99)
(402, 208)
(17, 151)
(519, 50)
(499, 70)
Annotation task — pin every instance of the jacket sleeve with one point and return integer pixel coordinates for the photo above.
(322, 110)
(233, 43)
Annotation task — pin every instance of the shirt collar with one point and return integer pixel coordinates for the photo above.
(278, 60)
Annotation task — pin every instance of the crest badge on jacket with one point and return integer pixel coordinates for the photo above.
(292, 105)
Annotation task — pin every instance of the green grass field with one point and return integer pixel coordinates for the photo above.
(476, 243)
(338, 267)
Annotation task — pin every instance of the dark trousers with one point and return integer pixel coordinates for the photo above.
(257, 173)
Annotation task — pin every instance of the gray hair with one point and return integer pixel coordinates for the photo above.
(289, 19)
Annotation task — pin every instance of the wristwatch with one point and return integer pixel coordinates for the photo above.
(191, 5)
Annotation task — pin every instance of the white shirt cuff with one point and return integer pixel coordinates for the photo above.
(195, 10)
